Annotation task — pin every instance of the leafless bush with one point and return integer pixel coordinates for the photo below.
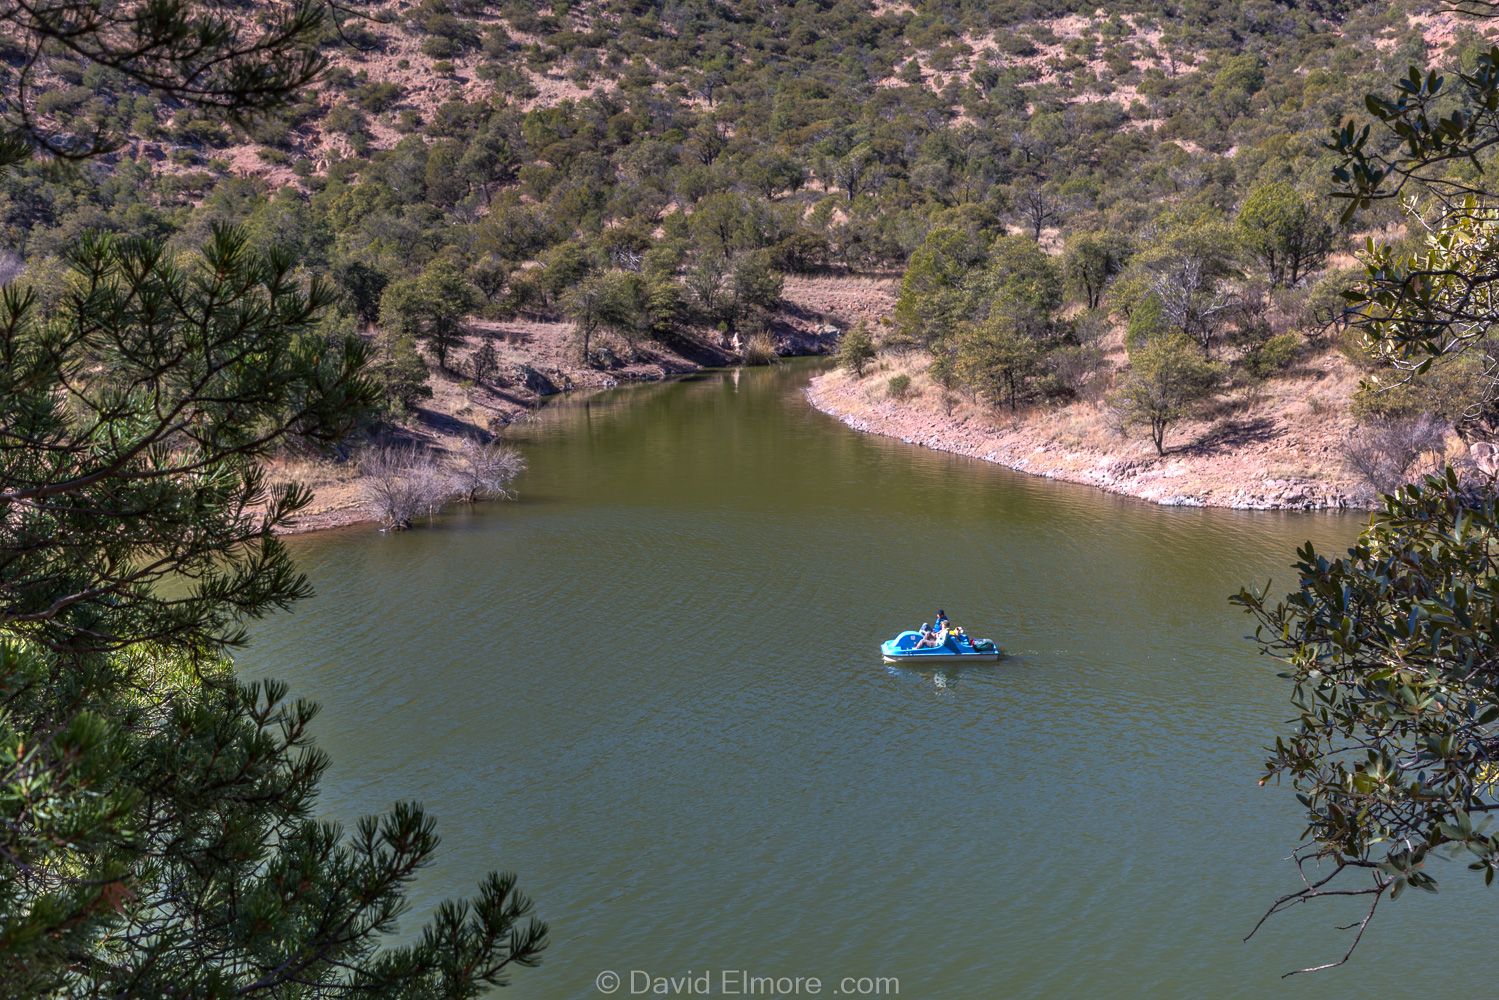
(1077, 368)
(1383, 452)
(401, 483)
(11, 267)
(485, 471)
(1290, 310)
(1485, 456)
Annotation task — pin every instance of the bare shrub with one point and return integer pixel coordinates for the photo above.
(485, 471)
(1384, 452)
(1486, 457)
(403, 482)
(11, 267)
(1077, 369)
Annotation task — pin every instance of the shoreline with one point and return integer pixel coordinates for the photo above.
(1243, 473)
(338, 506)
(538, 362)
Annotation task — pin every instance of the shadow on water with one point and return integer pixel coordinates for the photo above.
(651, 688)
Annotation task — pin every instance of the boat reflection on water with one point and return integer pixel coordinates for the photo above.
(947, 674)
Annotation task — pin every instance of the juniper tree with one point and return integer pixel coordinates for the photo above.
(1285, 232)
(856, 350)
(432, 306)
(998, 361)
(485, 362)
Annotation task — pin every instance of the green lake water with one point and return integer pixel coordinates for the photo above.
(651, 687)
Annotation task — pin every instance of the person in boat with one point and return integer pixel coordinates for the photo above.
(928, 638)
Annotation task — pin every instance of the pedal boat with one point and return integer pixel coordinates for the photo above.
(949, 648)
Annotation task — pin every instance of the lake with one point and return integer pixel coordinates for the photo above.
(651, 687)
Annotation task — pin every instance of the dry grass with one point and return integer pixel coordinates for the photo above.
(311, 472)
(760, 349)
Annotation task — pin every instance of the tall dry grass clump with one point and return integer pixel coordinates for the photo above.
(760, 349)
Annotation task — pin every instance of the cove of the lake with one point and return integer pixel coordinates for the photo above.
(651, 687)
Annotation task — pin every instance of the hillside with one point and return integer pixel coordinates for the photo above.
(514, 200)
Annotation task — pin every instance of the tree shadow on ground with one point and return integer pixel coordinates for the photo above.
(707, 357)
(445, 423)
(696, 352)
(1230, 435)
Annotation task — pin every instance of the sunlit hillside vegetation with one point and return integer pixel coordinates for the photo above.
(650, 171)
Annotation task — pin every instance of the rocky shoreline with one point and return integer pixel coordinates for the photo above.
(1273, 459)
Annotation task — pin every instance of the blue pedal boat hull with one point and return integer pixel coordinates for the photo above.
(902, 649)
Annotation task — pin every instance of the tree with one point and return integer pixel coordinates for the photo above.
(1022, 282)
(717, 224)
(1391, 650)
(932, 300)
(1282, 229)
(1165, 377)
(585, 304)
(486, 470)
(490, 276)
(855, 172)
(157, 816)
(485, 362)
(432, 306)
(1037, 207)
(1236, 83)
(364, 284)
(565, 266)
(708, 280)
(397, 369)
(774, 171)
(707, 140)
(756, 284)
(856, 350)
(624, 307)
(269, 365)
(1191, 301)
(998, 360)
(401, 483)
(488, 160)
(1185, 270)
(1383, 451)
(1091, 259)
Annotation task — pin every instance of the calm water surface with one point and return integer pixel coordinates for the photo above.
(651, 688)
